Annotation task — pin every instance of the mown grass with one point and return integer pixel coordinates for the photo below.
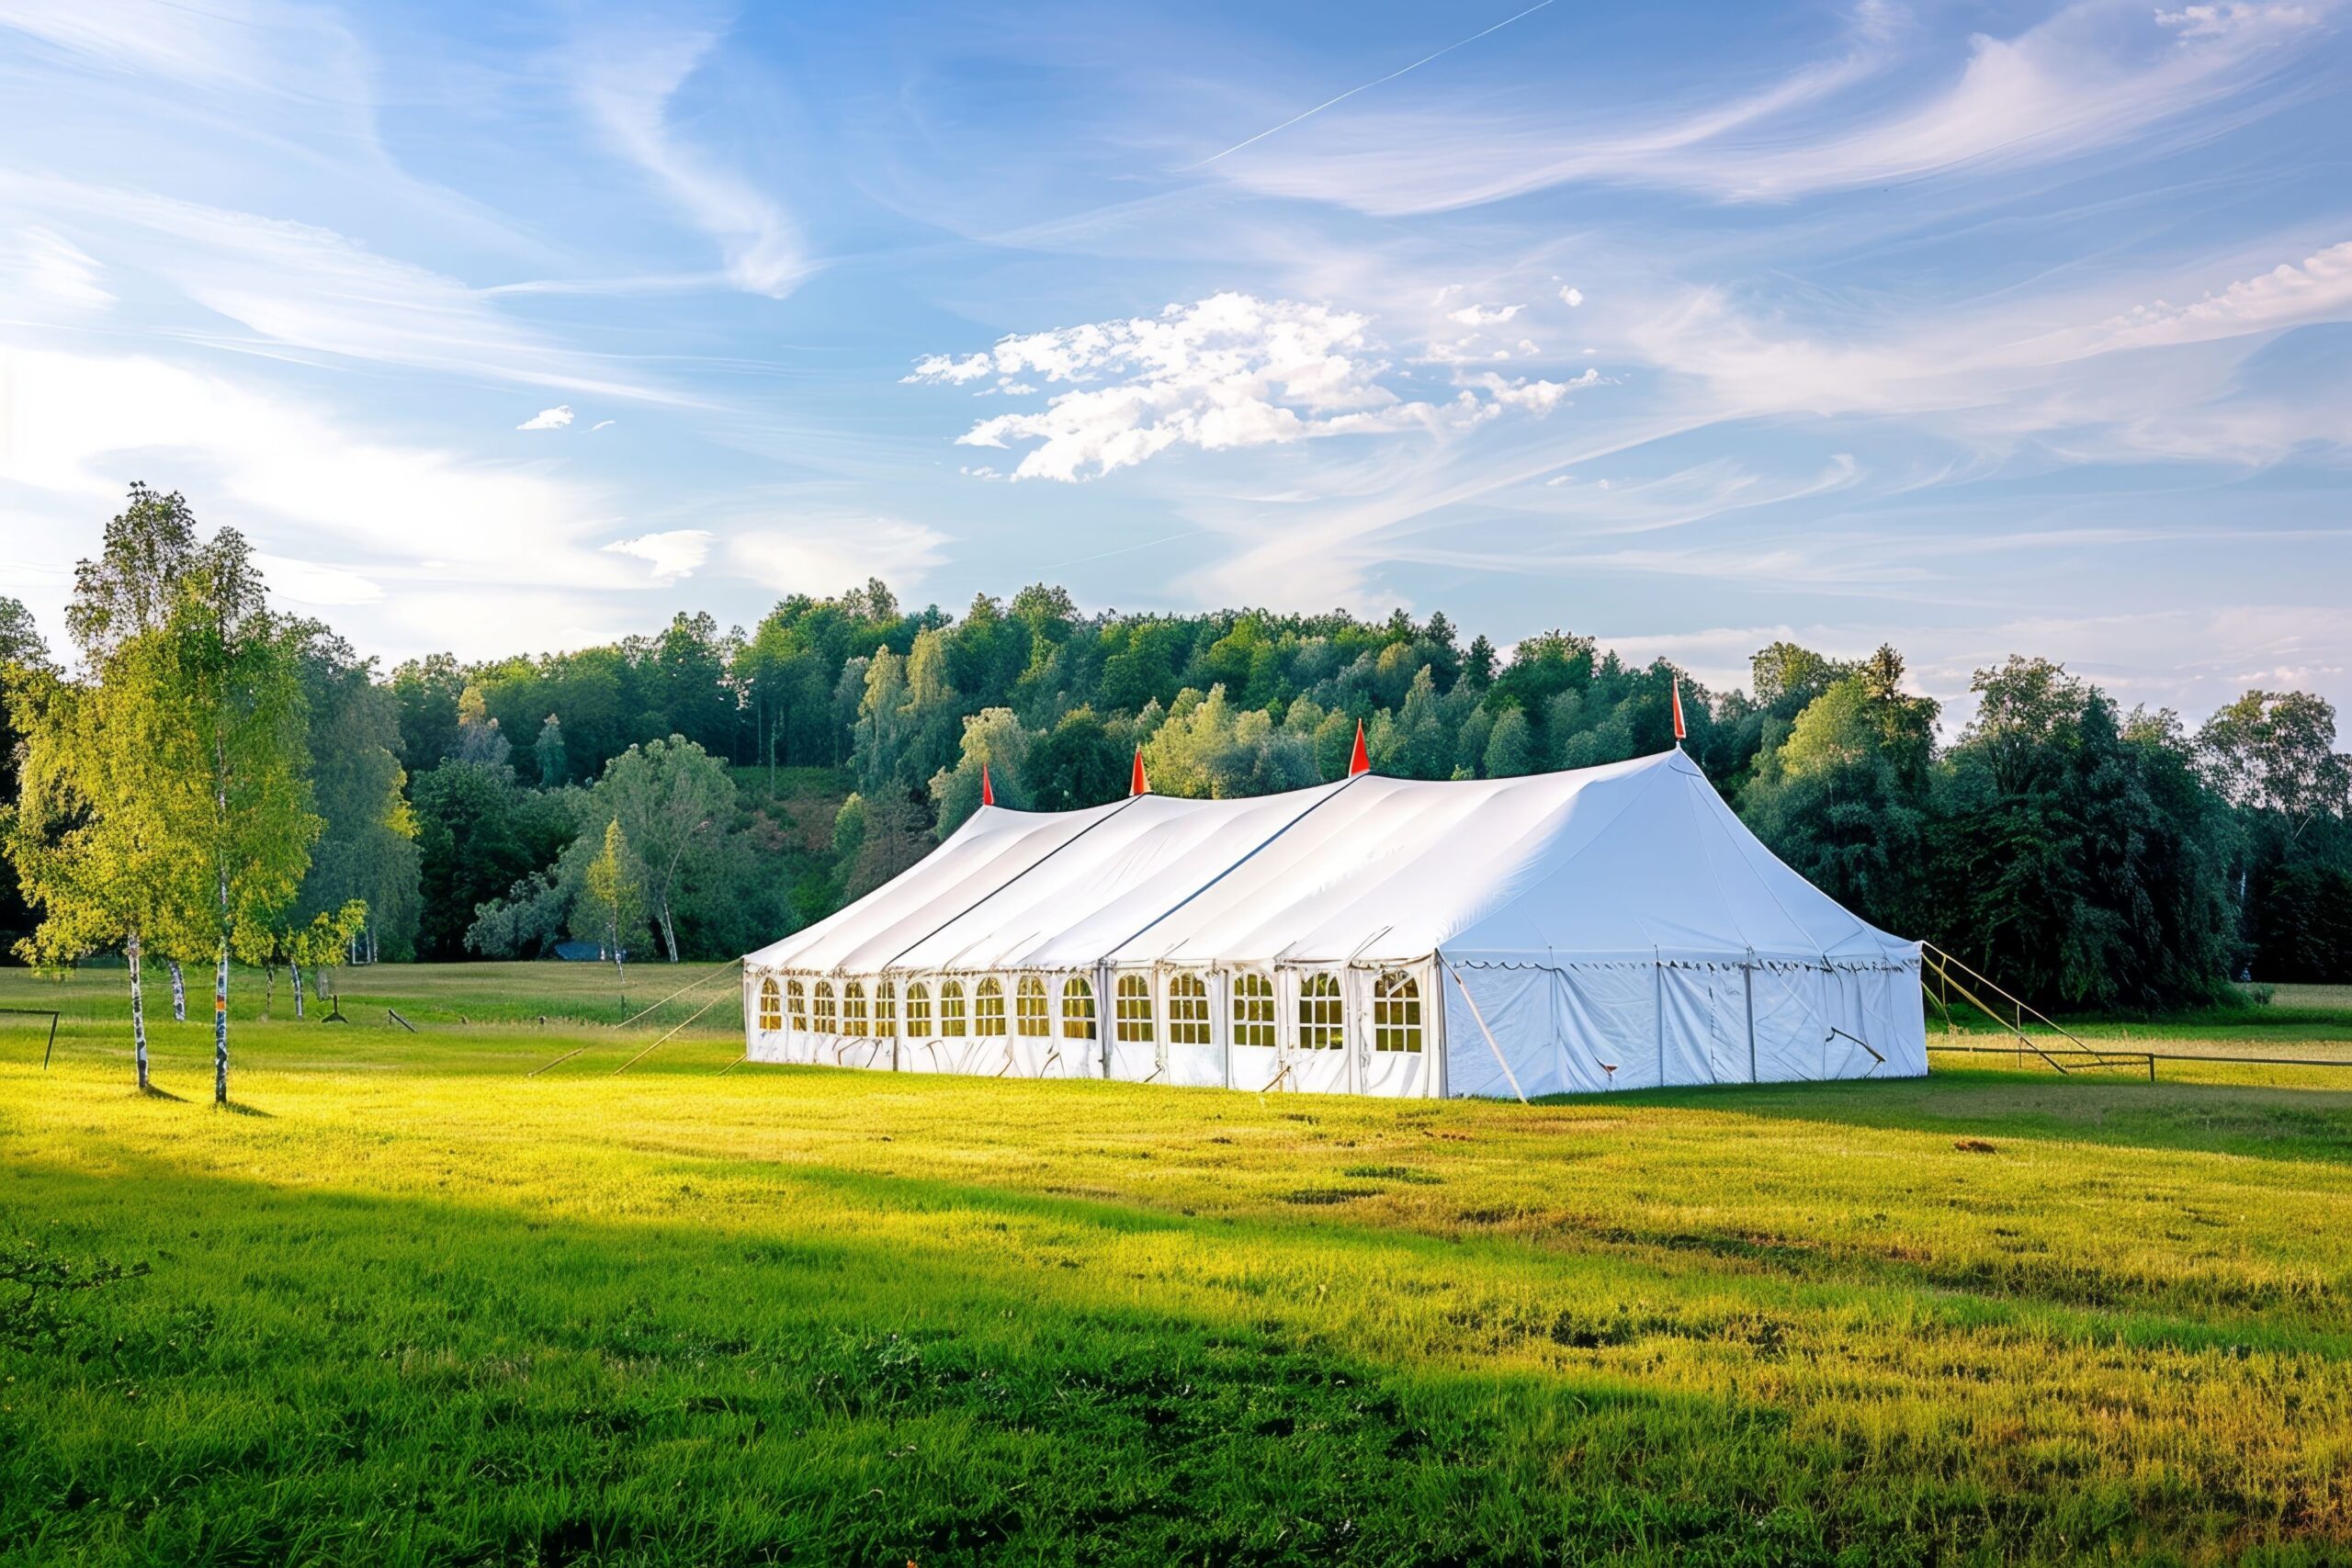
(414, 1306)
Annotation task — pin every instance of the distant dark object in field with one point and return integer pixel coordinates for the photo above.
(586, 953)
(1975, 1146)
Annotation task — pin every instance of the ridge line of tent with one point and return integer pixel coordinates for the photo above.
(884, 968)
(1113, 951)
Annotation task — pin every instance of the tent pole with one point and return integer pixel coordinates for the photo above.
(1500, 1060)
(1748, 976)
(1435, 1038)
(1223, 991)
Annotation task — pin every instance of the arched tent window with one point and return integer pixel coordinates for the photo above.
(1397, 1012)
(988, 1008)
(918, 1011)
(1134, 1008)
(828, 1022)
(1254, 1010)
(951, 1009)
(795, 996)
(771, 1006)
(853, 1020)
(1188, 1011)
(1320, 1023)
(1078, 1010)
(886, 1009)
(1029, 1009)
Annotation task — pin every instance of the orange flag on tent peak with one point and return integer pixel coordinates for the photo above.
(1679, 732)
(1139, 784)
(1362, 762)
(987, 790)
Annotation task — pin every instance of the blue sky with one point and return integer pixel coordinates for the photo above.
(1990, 329)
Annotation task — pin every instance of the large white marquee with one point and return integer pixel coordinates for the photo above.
(1605, 929)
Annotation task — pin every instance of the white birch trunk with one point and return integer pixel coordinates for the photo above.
(296, 971)
(220, 1028)
(669, 934)
(138, 1010)
(179, 993)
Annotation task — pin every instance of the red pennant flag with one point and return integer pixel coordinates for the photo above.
(1139, 784)
(1362, 762)
(1679, 732)
(987, 790)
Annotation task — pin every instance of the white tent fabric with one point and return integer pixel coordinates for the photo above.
(1607, 928)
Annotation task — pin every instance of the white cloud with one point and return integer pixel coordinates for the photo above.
(1571, 297)
(626, 86)
(309, 583)
(1999, 376)
(2318, 290)
(295, 286)
(826, 556)
(305, 486)
(1484, 315)
(600, 425)
(2094, 74)
(548, 419)
(46, 267)
(1228, 371)
(220, 42)
(674, 555)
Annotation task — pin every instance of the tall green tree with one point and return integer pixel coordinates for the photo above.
(23, 653)
(367, 850)
(236, 784)
(97, 846)
(672, 800)
(613, 899)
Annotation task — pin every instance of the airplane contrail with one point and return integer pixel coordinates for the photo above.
(1352, 92)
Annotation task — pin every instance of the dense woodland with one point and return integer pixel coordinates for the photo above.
(696, 792)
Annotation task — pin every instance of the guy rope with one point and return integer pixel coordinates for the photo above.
(696, 984)
(1943, 964)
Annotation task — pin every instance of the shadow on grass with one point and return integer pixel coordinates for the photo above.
(240, 1108)
(2256, 1121)
(149, 1091)
(561, 1390)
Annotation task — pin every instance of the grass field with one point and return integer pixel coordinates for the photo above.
(406, 1304)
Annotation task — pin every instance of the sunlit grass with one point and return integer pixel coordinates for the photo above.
(416, 1306)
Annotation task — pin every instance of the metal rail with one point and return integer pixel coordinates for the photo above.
(1944, 964)
(50, 1014)
(2128, 1058)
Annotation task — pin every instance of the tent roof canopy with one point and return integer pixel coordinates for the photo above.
(1635, 860)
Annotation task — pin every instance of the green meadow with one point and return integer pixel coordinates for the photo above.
(405, 1304)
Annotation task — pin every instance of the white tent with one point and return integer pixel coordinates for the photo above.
(1608, 927)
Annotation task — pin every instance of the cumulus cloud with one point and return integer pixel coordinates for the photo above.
(555, 418)
(674, 555)
(1572, 297)
(2318, 289)
(1484, 315)
(1228, 371)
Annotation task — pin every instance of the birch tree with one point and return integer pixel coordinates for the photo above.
(92, 833)
(237, 773)
(671, 799)
(90, 849)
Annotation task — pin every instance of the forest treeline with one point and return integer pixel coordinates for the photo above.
(699, 791)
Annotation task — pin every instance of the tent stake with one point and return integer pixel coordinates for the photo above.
(1481, 1019)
